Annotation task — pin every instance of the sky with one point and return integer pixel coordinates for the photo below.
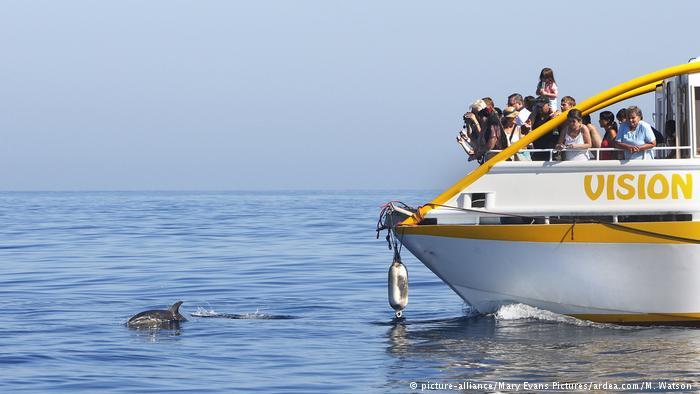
(260, 95)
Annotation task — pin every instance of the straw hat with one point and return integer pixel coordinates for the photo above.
(510, 112)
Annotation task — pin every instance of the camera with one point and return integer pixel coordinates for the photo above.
(469, 123)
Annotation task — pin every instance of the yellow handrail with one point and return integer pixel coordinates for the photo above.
(632, 93)
(637, 85)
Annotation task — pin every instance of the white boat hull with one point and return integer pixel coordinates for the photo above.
(613, 282)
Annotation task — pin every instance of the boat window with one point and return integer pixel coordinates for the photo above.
(657, 218)
(580, 219)
(697, 118)
(478, 200)
(610, 219)
(682, 133)
(669, 122)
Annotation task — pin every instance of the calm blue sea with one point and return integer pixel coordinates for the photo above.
(284, 291)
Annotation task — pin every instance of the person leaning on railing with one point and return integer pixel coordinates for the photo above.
(596, 138)
(607, 122)
(635, 136)
(576, 139)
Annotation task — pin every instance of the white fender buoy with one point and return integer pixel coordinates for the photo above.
(398, 287)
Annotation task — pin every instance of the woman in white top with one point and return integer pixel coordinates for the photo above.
(577, 138)
(513, 132)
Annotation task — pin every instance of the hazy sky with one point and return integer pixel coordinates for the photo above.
(224, 95)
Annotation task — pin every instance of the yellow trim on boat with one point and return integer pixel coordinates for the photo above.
(645, 233)
(642, 318)
(639, 83)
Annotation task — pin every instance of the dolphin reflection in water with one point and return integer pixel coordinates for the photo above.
(158, 318)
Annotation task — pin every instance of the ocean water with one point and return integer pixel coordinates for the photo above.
(285, 292)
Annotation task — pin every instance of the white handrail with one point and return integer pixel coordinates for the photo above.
(596, 150)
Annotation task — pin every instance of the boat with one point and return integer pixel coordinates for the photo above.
(611, 241)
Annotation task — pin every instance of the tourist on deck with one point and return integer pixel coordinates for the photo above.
(529, 102)
(468, 137)
(540, 115)
(488, 135)
(596, 138)
(635, 136)
(474, 109)
(493, 135)
(621, 116)
(609, 126)
(513, 132)
(567, 102)
(547, 87)
(516, 101)
(670, 131)
(577, 138)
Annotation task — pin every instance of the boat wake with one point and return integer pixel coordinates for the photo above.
(257, 315)
(527, 312)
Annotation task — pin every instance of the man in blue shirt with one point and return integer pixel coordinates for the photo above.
(635, 136)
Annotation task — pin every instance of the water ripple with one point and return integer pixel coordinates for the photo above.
(286, 292)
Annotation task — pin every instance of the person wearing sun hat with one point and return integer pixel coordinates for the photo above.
(474, 109)
(513, 132)
(473, 121)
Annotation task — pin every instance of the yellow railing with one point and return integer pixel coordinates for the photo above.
(634, 87)
(632, 93)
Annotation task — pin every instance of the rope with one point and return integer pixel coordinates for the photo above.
(386, 222)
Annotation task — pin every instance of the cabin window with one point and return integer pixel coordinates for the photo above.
(682, 132)
(669, 122)
(675, 125)
(697, 119)
(682, 217)
(478, 200)
(657, 218)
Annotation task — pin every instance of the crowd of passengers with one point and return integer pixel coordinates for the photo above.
(488, 128)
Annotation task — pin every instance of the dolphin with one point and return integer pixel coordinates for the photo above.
(158, 318)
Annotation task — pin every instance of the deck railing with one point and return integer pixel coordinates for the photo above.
(595, 152)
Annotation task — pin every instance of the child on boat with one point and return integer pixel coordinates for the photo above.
(547, 87)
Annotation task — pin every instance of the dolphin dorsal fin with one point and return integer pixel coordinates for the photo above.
(175, 308)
